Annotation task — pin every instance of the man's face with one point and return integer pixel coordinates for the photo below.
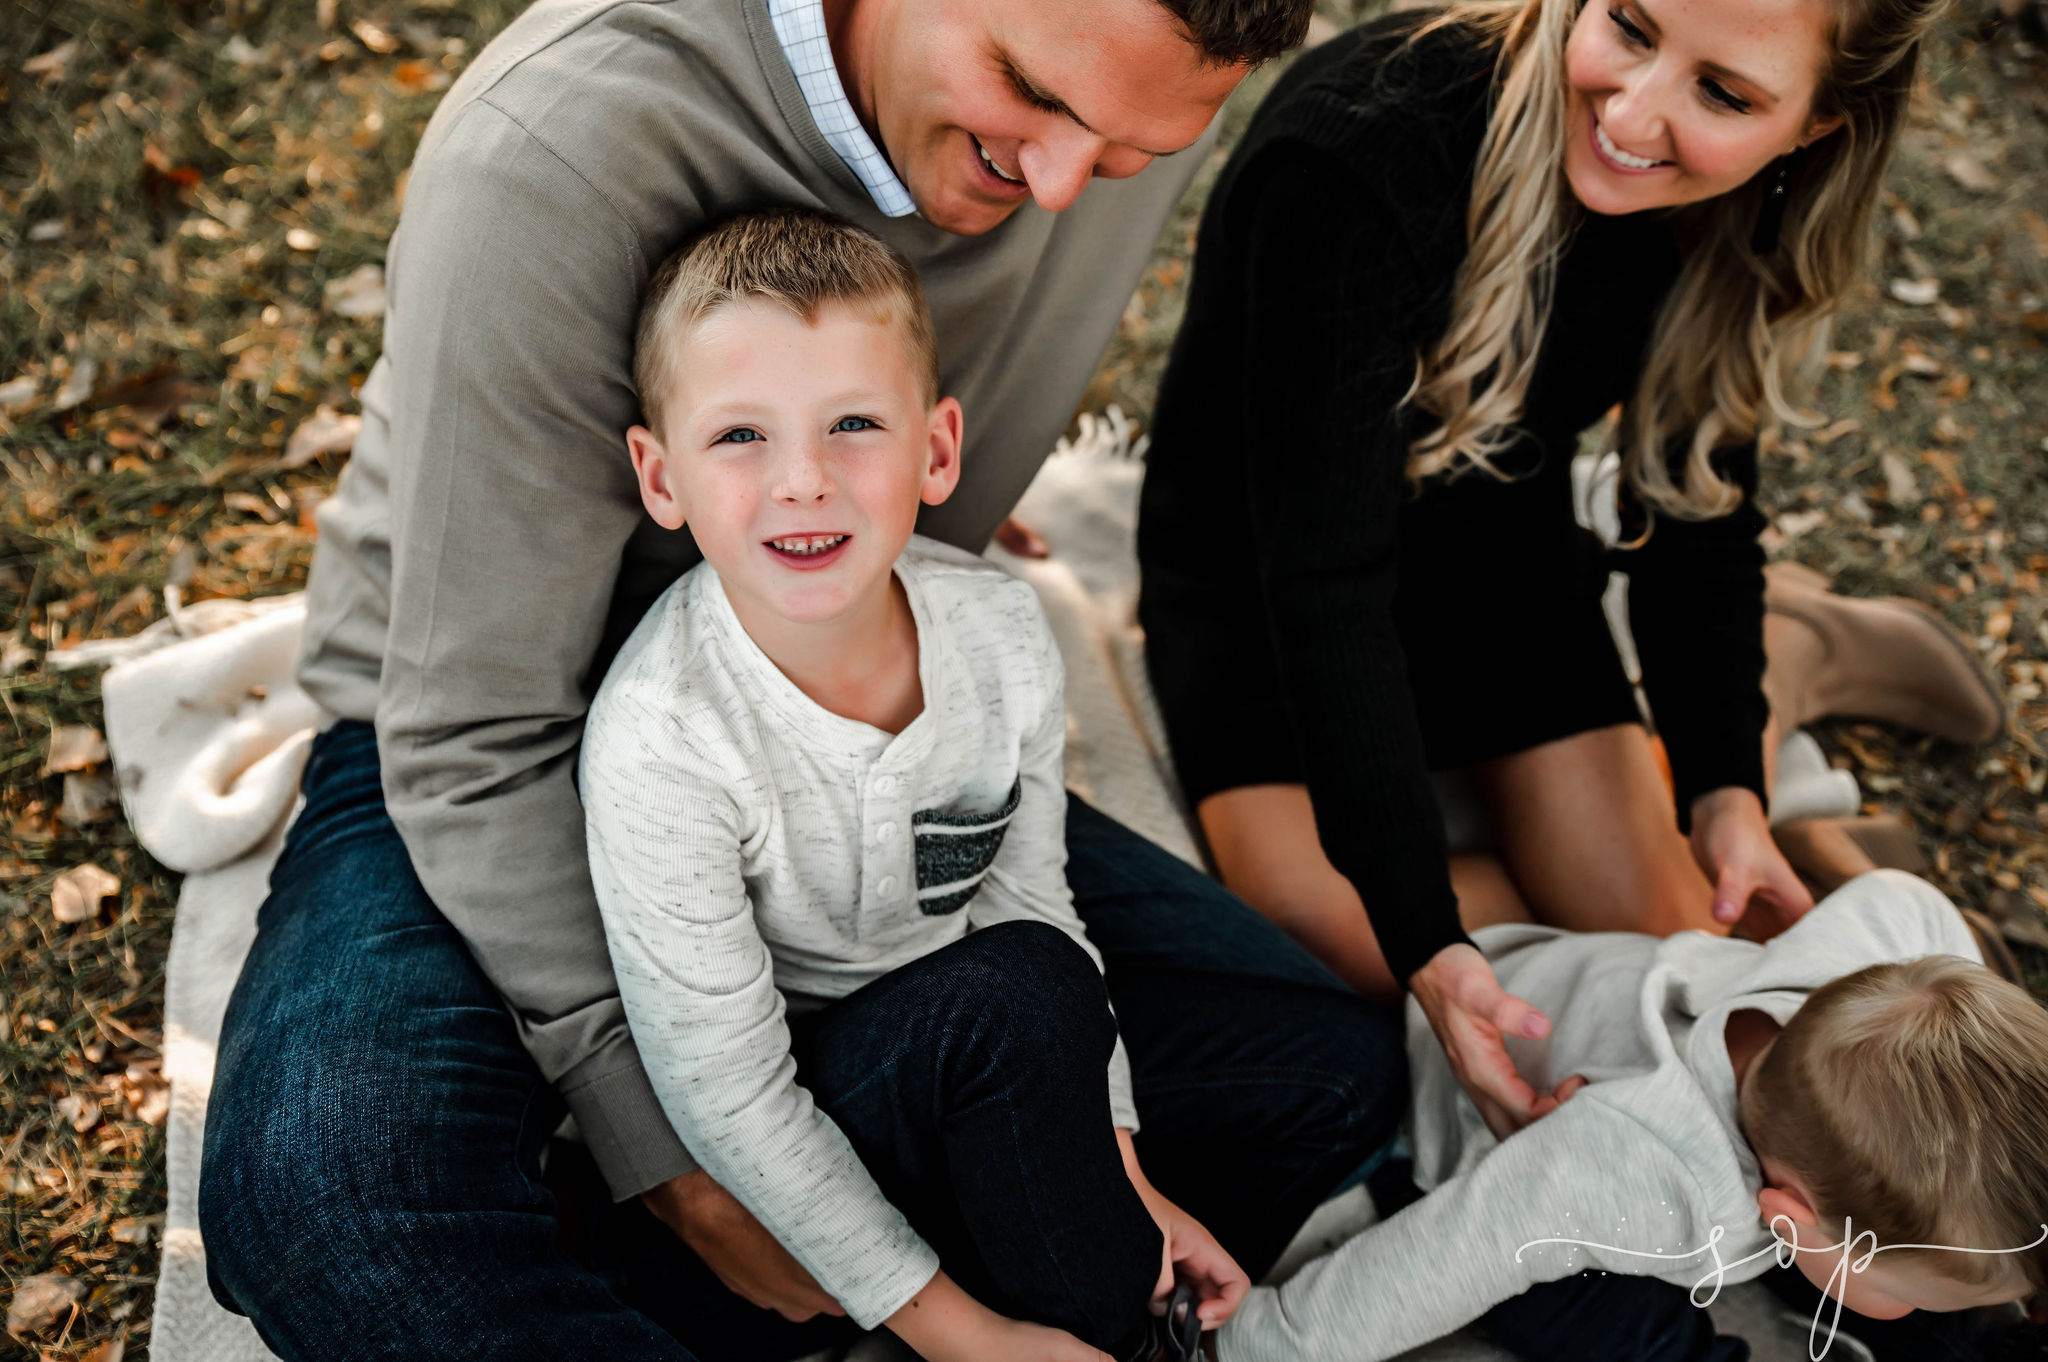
(981, 104)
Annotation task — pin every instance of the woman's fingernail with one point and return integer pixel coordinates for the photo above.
(1533, 1026)
(1724, 911)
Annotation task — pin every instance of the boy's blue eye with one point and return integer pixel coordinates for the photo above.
(847, 424)
(743, 435)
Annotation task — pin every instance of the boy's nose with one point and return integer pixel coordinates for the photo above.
(801, 476)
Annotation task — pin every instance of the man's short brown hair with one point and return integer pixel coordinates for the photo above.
(1233, 32)
(796, 257)
(1913, 1098)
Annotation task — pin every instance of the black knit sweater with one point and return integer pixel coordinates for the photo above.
(1276, 489)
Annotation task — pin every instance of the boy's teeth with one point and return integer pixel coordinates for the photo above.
(808, 543)
(1632, 162)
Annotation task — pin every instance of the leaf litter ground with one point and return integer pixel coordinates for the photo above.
(194, 202)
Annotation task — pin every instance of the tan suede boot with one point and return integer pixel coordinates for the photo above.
(1890, 659)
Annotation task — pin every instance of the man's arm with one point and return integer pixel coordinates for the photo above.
(514, 287)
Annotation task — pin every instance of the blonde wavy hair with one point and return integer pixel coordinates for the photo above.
(1735, 325)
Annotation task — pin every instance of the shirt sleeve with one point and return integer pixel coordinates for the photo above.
(1028, 879)
(698, 986)
(1586, 1172)
(513, 290)
(1326, 361)
(1696, 610)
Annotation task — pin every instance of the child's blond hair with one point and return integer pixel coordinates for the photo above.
(1913, 1098)
(797, 257)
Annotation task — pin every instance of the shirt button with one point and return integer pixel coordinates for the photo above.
(887, 887)
(885, 785)
(885, 833)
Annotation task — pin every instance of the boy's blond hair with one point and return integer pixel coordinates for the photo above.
(1913, 1098)
(796, 257)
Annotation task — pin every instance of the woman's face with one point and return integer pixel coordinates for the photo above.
(1674, 101)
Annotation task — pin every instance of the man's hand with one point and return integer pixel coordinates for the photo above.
(1470, 1011)
(1191, 1253)
(747, 1258)
(1731, 840)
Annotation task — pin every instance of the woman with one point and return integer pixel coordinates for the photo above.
(1446, 247)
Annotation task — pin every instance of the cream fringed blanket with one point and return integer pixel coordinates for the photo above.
(209, 731)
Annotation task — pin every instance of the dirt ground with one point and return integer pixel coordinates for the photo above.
(194, 201)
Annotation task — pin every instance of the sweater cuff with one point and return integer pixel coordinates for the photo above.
(622, 1122)
(1123, 1106)
(1439, 928)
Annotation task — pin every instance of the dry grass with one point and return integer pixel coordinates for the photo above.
(178, 188)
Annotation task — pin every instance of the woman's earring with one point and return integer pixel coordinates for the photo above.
(1770, 219)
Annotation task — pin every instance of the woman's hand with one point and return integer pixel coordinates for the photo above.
(942, 1323)
(1470, 1012)
(1731, 839)
(1189, 1248)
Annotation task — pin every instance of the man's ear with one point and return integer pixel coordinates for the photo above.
(942, 440)
(650, 468)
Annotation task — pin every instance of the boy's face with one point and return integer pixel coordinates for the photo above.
(797, 453)
(1891, 1285)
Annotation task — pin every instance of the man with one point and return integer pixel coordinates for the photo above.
(430, 973)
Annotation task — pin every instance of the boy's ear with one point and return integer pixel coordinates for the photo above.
(650, 469)
(1787, 1199)
(942, 439)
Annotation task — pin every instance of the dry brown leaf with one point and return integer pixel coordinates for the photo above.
(52, 65)
(76, 895)
(14, 655)
(77, 387)
(359, 294)
(74, 747)
(1918, 292)
(326, 431)
(149, 1100)
(88, 798)
(139, 1229)
(1971, 173)
(113, 1350)
(300, 239)
(1901, 488)
(374, 38)
(80, 1111)
(1998, 623)
(19, 392)
(42, 1301)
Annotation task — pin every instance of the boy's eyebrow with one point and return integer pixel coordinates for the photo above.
(1034, 93)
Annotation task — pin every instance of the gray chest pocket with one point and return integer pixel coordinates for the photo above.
(954, 852)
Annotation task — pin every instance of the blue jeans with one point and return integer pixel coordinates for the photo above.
(373, 1182)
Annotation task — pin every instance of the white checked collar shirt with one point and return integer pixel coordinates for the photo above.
(800, 28)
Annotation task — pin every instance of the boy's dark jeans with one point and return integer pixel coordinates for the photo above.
(372, 1181)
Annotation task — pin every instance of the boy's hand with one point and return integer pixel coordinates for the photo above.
(1731, 840)
(1191, 1253)
(737, 1247)
(1470, 1012)
(942, 1323)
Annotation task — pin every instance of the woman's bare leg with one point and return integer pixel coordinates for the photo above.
(1263, 839)
(1586, 829)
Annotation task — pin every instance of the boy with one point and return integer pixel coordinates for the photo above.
(1860, 1077)
(827, 755)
